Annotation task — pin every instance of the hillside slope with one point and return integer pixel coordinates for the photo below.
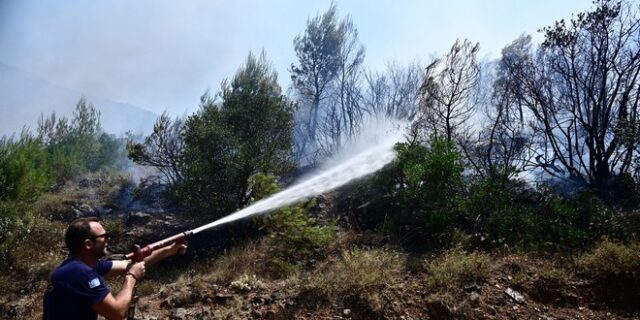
(24, 97)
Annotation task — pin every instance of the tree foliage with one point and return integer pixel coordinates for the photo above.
(318, 51)
(226, 143)
(420, 189)
(24, 171)
(78, 144)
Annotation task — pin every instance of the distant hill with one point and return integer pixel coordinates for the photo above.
(23, 97)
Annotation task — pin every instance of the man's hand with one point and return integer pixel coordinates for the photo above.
(138, 270)
(179, 248)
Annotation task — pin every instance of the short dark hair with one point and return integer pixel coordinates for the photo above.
(77, 232)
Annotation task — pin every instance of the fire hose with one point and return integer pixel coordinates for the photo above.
(138, 254)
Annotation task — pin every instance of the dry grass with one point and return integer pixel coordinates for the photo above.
(357, 271)
(458, 267)
(611, 259)
(41, 249)
(53, 206)
(246, 259)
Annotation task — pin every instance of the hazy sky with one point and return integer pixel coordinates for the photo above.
(164, 54)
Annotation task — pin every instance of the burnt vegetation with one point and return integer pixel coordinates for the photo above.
(515, 193)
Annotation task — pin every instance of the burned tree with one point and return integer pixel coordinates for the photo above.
(161, 149)
(582, 91)
(394, 93)
(318, 51)
(503, 146)
(326, 81)
(344, 112)
(446, 92)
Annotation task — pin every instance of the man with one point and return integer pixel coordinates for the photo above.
(77, 289)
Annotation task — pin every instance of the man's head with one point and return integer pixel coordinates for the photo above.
(86, 236)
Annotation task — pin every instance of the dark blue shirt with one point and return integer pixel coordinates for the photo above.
(73, 288)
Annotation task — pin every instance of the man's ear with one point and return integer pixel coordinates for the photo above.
(87, 244)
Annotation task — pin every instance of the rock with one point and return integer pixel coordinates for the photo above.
(514, 295)
(277, 295)
(83, 210)
(178, 313)
(474, 298)
(222, 297)
(86, 183)
(103, 211)
(139, 217)
(204, 313)
(473, 287)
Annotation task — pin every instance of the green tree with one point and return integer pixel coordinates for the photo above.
(78, 144)
(226, 143)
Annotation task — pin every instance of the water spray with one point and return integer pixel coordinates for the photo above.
(361, 164)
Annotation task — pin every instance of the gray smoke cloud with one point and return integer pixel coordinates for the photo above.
(164, 54)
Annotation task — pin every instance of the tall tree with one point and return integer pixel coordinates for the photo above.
(446, 92)
(583, 93)
(327, 81)
(318, 52)
(503, 146)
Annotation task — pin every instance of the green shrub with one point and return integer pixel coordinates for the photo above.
(292, 234)
(456, 268)
(246, 283)
(611, 259)
(579, 221)
(13, 222)
(495, 214)
(77, 145)
(53, 206)
(24, 173)
(421, 188)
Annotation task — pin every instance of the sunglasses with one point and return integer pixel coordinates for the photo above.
(106, 236)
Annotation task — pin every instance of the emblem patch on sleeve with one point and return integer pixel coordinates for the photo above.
(94, 283)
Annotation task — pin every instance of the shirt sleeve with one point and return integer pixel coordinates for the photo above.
(89, 287)
(104, 266)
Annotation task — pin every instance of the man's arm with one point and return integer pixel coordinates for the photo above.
(119, 267)
(163, 253)
(115, 308)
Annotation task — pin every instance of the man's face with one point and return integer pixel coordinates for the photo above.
(99, 239)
